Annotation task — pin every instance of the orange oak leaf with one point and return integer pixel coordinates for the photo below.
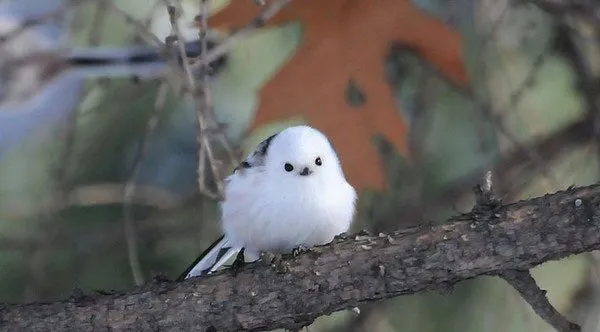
(347, 41)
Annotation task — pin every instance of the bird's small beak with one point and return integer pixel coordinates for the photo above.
(305, 171)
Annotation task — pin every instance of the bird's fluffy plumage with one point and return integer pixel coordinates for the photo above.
(274, 207)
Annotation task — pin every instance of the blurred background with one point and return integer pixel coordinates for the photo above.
(107, 179)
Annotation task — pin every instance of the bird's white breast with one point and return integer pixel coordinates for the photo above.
(276, 217)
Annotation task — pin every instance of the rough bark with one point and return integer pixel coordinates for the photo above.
(341, 275)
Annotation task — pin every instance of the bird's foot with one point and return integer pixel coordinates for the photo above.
(269, 258)
(275, 261)
(297, 251)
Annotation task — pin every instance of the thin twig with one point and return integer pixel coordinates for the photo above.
(524, 283)
(208, 56)
(205, 62)
(220, 134)
(130, 186)
(497, 121)
(515, 97)
(204, 106)
(200, 97)
(588, 83)
(182, 75)
(175, 74)
(226, 45)
(71, 126)
(63, 185)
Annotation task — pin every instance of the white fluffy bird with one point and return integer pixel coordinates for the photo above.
(290, 192)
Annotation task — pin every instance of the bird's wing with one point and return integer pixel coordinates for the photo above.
(223, 249)
(211, 259)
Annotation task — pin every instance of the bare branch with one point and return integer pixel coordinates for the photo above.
(267, 13)
(524, 283)
(130, 186)
(340, 275)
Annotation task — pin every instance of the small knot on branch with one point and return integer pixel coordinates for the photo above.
(486, 200)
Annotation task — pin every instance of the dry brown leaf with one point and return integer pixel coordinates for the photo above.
(344, 41)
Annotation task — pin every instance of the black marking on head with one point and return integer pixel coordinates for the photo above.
(257, 157)
(263, 147)
(244, 164)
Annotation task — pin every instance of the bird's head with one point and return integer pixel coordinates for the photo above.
(302, 152)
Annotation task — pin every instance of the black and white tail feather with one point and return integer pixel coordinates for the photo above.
(211, 259)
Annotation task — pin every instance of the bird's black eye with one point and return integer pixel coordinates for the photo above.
(318, 161)
(288, 167)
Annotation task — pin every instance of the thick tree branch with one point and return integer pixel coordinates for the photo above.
(340, 275)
